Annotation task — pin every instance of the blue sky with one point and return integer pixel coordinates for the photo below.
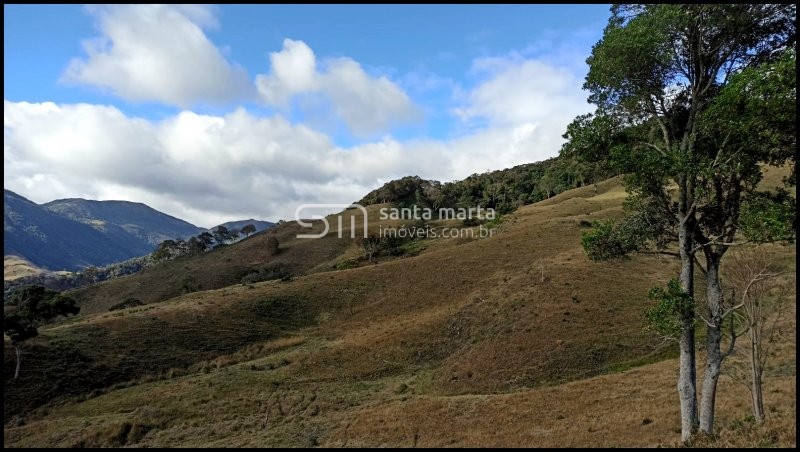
(300, 103)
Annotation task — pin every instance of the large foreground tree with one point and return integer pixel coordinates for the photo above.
(30, 307)
(691, 101)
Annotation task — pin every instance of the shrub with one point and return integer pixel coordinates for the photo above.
(276, 270)
(128, 303)
(273, 247)
(346, 264)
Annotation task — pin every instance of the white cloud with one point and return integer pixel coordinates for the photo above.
(366, 104)
(294, 71)
(520, 90)
(158, 53)
(209, 169)
(530, 99)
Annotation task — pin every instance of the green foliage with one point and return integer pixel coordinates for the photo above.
(128, 303)
(670, 304)
(758, 109)
(665, 123)
(372, 245)
(17, 329)
(470, 222)
(272, 271)
(769, 217)
(221, 234)
(346, 264)
(609, 240)
(691, 100)
(31, 307)
(167, 249)
(273, 247)
(189, 284)
(498, 220)
(206, 239)
(375, 245)
(504, 190)
(248, 229)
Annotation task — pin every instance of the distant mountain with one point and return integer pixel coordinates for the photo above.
(52, 241)
(70, 234)
(238, 225)
(136, 226)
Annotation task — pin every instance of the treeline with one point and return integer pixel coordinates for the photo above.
(166, 250)
(503, 190)
(205, 241)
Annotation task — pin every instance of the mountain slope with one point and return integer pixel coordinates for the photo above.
(516, 336)
(69, 234)
(134, 225)
(238, 225)
(52, 241)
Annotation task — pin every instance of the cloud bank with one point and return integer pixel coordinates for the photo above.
(213, 168)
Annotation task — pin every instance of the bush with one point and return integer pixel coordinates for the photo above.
(128, 303)
(346, 264)
(273, 247)
(277, 270)
(470, 222)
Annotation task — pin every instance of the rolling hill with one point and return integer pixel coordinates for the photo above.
(516, 339)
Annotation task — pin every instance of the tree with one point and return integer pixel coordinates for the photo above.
(221, 234)
(91, 273)
(760, 300)
(195, 246)
(248, 229)
(31, 307)
(372, 245)
(272, 246)
(693, 97)
(206, 239)
(167, 249)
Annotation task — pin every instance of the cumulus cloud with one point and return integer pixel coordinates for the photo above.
(158, 53)
(294, 71)
(365, 103)
(528, 99)
(209, 169)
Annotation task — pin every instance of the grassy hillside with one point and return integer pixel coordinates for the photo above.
(511, 340)
(17, 267)
(221, 267)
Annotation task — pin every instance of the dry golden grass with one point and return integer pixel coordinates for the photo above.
(513, 340)
(16, 267)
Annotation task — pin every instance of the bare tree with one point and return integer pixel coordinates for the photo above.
(761, 299)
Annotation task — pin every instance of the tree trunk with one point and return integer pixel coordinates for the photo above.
(713, 354)
(18, 351)
(687, 391)
(687, 379)
(755, 366)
